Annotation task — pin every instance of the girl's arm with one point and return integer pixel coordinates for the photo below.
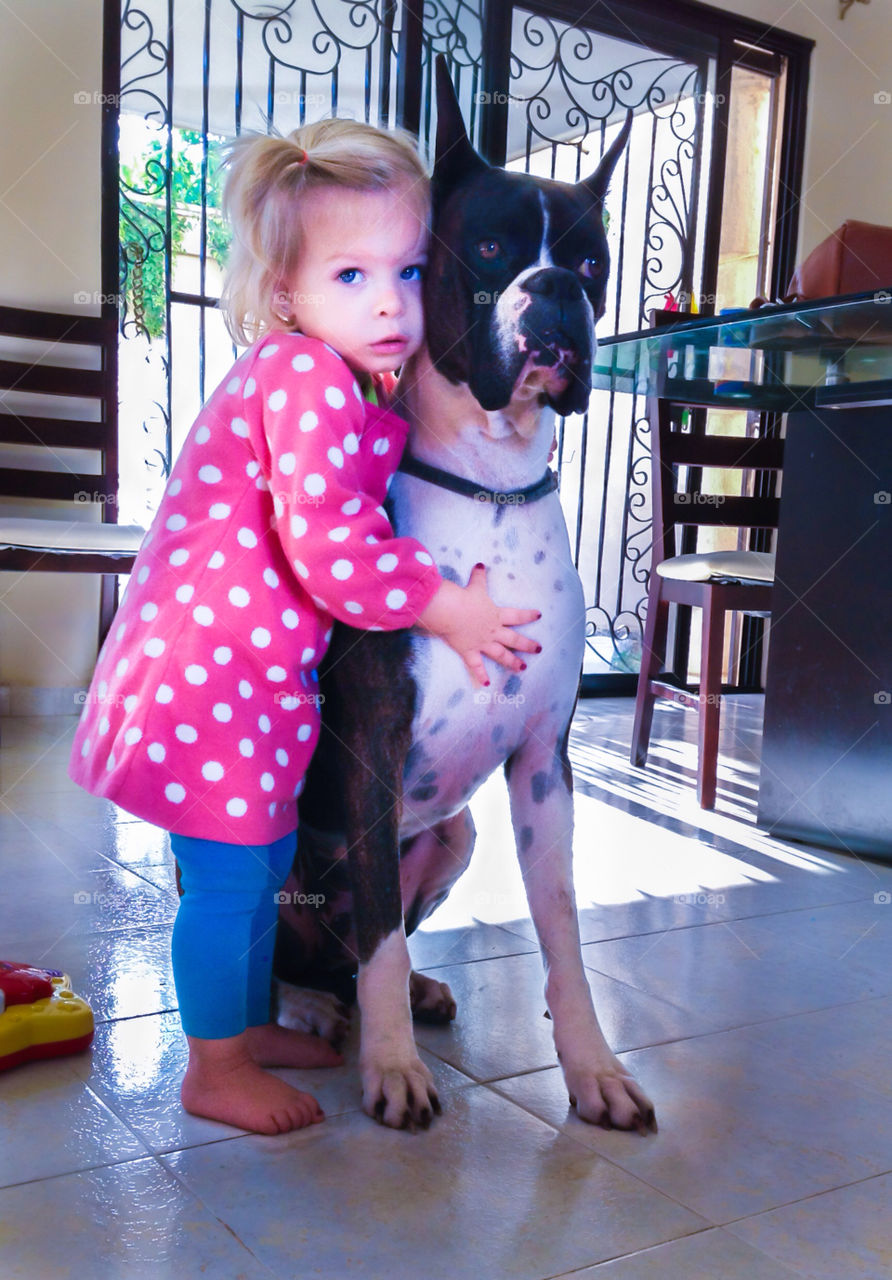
(336, 536)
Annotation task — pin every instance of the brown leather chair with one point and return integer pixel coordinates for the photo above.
(856, 258)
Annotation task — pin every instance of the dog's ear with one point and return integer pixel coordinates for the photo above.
(455, 158)
(596, 185)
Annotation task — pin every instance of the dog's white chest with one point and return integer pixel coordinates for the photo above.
(462, 734)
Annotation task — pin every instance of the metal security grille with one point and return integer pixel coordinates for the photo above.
(542, 91)
(571, 87)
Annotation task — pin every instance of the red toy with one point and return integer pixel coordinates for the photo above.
(40, 1017)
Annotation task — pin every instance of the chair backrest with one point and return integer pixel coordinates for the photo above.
(680, 503)
(58, 393)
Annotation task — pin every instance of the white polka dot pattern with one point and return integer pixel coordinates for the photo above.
(205, 712)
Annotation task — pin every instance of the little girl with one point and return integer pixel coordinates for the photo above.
(202, 715)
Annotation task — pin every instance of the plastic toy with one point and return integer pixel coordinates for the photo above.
(40, 1017)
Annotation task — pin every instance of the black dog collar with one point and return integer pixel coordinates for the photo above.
(469, 489)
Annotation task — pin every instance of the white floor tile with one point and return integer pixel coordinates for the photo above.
(843, 1235)
(487, 1192)
(709, 1255)
(52, 1123)
(739, 1133)
(733, 973)
(132, 1221)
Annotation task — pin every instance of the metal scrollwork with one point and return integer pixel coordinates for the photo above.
(144, 259)
(569, 85)
(289, 61)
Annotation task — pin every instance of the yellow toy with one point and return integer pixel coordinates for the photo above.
(40, 1017)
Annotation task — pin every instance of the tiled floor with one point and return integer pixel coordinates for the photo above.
(746, 980)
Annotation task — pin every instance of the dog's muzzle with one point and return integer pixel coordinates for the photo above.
(555, 335)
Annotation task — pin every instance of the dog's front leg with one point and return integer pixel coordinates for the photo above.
(374, 738)
(397, 1088)
(540, 785)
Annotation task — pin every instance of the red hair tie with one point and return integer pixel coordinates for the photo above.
(303, 157)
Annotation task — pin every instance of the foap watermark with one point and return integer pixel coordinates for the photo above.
(284, 301)
(83, 298)
(882, 498)
(882, 295)
(94, 495)
(291, 700)
(483, 297)
(84, 898)
(94, 97)
(700, 499)
(500, 499)
(96, 698)
(882, 97)
(882, 698)
(297, 899)
(688, 300)
(686, 699)
(484, 98)
(292, 98)
(700, 899)
(882, 898)
(499, 699)
(284, 499)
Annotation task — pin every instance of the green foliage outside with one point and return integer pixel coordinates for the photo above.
(142, 223)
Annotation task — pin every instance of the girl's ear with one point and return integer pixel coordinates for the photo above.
(282, 308)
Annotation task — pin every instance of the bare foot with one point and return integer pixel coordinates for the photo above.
(431, 1001)
(275, 1046)
(223, 1082)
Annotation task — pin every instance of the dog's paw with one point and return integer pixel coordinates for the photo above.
(611, 1098)
(401, 1095)
(319, 1012)
(431, 1001)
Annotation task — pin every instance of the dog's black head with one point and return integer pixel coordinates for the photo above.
(518, 271)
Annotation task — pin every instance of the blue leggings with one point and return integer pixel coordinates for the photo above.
(225, 932)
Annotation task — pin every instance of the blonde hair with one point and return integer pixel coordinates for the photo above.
(267, 176)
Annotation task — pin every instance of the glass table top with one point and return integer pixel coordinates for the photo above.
(829, 353)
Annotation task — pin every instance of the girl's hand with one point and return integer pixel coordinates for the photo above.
(473, 625)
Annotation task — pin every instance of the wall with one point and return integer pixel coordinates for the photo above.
(849, 140)
(49, 233)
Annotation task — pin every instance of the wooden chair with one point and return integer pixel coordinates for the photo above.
(44, 358)
(717, 582)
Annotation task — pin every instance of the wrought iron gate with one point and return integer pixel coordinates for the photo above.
(540, 89)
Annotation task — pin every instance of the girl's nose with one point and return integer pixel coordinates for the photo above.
(390, 302)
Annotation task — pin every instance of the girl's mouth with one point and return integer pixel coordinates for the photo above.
(388, 346)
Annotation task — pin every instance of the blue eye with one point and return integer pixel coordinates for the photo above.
(415, 272)
(348, 275)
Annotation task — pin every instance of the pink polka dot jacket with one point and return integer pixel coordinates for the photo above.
(203, 713)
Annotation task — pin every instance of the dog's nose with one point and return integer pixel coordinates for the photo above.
(554, 283)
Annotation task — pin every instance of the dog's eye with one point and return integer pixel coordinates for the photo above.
(488, 249)
(590, 268)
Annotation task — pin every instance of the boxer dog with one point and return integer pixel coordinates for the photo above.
(516, 281)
